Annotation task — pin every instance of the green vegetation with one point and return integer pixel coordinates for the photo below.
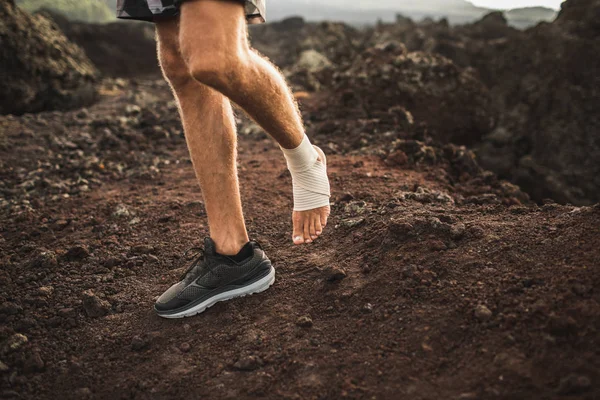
(76, 10)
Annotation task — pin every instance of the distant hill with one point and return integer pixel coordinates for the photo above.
(368, 11)
(358, 12)
(76, 10)
(529, 16)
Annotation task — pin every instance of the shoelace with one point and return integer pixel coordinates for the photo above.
(196, 254)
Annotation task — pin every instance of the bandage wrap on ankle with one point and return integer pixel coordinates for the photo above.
(309, 177)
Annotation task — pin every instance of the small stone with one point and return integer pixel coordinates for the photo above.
(132, 109)
(45, 259)
(67, 312)
(83, 393)
(77, 252)
(304, 321)
(367, 308)
(59, 225)
(396, 158)
(15, 342)
(457, 231)
(482, 313)
(426, 347)
(45, 291)
(312, 61)
(351, 222)
(83, 113)
(574, 384)
(185, 347)
(347, 196)
(334, 274)
(111, 262)
(94, 306)
(121, 211)
(3, 367)
(438, 245)
(248, 363)
(138, 343)
(135, 221)
(141, 249)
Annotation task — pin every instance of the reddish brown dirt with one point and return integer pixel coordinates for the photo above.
(441, 300)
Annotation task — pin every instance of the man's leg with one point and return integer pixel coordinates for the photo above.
(209, 128)
(214, 44)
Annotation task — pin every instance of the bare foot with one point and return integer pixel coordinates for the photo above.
(309, 225)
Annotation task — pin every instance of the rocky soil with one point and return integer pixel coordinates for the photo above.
(525, 101)
(435, 278)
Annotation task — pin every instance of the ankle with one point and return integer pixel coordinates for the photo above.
(228, 246)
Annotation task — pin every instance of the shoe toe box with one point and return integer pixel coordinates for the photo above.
(169, 300)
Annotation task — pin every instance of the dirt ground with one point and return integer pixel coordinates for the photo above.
(414, 292)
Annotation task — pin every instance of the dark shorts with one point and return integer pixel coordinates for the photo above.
(148, 10)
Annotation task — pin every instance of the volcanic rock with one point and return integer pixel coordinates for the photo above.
(14, 343)
(44, 259)
(248, 363)
(453, 103)
(482, 313)
(139, 343)
(41, 69)
(94, 306)
(549, 105)
(304, 321)
(334, 274)
(104, 46)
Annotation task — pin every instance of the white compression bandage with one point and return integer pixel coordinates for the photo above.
(309, 176)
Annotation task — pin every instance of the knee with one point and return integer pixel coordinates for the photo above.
(174, 69)
(219, 67)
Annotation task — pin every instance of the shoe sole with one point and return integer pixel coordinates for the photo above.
(255, 287)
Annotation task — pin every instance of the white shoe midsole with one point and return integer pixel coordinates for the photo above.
(256, 287)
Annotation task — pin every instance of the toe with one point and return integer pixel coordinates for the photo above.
(318, 226)
(298, 235)
(324, 217)
(307, 238)
(313, 227)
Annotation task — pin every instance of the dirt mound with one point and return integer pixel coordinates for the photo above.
(580, 17)
(41, 69)
(544, 89)
(546, 140)
(285, 41)
(125, 50)
(452, 102)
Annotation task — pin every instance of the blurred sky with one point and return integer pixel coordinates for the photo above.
(506, 4)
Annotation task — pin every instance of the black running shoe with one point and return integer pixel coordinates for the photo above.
(212, 278)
